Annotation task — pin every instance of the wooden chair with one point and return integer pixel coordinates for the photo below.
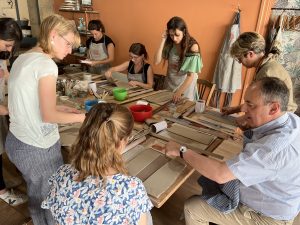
(205, 86)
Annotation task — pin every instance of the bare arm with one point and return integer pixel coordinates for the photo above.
(178, 94)
(143, 219)
(158, 54)
(49, 111)
(210, 168)
(119, 68)
(188, 80)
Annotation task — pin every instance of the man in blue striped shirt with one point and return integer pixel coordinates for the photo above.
(267, 168)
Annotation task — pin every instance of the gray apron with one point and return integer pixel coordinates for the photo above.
(175, 78)
(135, 76)
(98, 51)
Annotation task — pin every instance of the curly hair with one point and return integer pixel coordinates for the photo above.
(97, 147)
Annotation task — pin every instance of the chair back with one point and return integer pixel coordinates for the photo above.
(204, 87)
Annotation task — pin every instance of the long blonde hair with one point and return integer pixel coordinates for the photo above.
(62, 26)
(96, 149)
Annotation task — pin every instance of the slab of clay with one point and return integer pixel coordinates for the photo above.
(181, 139)
(153, 167)
(191, 133)
(141, 161)
(163, 178)
(133, 144)
(160, 98)
(132, 153)
(120, 76)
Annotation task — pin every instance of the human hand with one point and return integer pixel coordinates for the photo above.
(108, 74)
(228, 110)
(2, 73)
(177, 96)
(172, 149)
(3, 110)
(133, 83)
(242, 123)
(164, 35)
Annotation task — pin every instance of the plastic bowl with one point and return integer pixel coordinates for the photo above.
(141, 112)
(120, 94)
(88, 104)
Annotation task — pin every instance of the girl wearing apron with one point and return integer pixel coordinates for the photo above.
(101, 48)
(139, 73)
(184, 61)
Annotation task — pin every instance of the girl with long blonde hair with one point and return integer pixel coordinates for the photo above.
(95, 188)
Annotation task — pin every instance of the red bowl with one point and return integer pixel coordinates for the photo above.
(141, 112)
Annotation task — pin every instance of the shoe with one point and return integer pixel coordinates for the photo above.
(14, 199)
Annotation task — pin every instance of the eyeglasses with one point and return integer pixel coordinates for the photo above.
(69, 44)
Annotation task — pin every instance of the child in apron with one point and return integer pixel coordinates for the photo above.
(139, 73)
(100, 48)
(184, 61)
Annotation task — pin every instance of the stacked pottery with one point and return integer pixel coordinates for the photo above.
(70, 5)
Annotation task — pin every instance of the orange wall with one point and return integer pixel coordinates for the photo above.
(129, 21)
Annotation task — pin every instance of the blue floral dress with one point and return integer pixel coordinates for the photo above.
(121, 201)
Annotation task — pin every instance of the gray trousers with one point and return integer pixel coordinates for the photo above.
(36, 165)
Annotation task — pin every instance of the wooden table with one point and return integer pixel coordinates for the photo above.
(184, 174)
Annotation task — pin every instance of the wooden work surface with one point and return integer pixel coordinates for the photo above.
(159, 164)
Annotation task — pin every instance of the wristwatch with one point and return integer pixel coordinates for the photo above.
(182, 150)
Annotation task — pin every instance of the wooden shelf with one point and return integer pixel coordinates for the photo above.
(79, 11)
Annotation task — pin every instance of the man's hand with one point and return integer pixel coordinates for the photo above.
(242, 123)
(230, 110)
(172, 149)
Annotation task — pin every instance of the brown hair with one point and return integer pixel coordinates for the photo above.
(187, 41)
(248, 41)
(97, 146)
(138, 49)
(61, 26)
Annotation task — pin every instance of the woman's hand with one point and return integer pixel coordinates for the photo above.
(177, 96)
(108, 74)
(133, 83)
(165, 35)
(3, 110)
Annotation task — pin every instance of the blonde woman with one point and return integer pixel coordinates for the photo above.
(32, 143)
(95, 188)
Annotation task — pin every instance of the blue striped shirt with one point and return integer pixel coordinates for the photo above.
(268, 168)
